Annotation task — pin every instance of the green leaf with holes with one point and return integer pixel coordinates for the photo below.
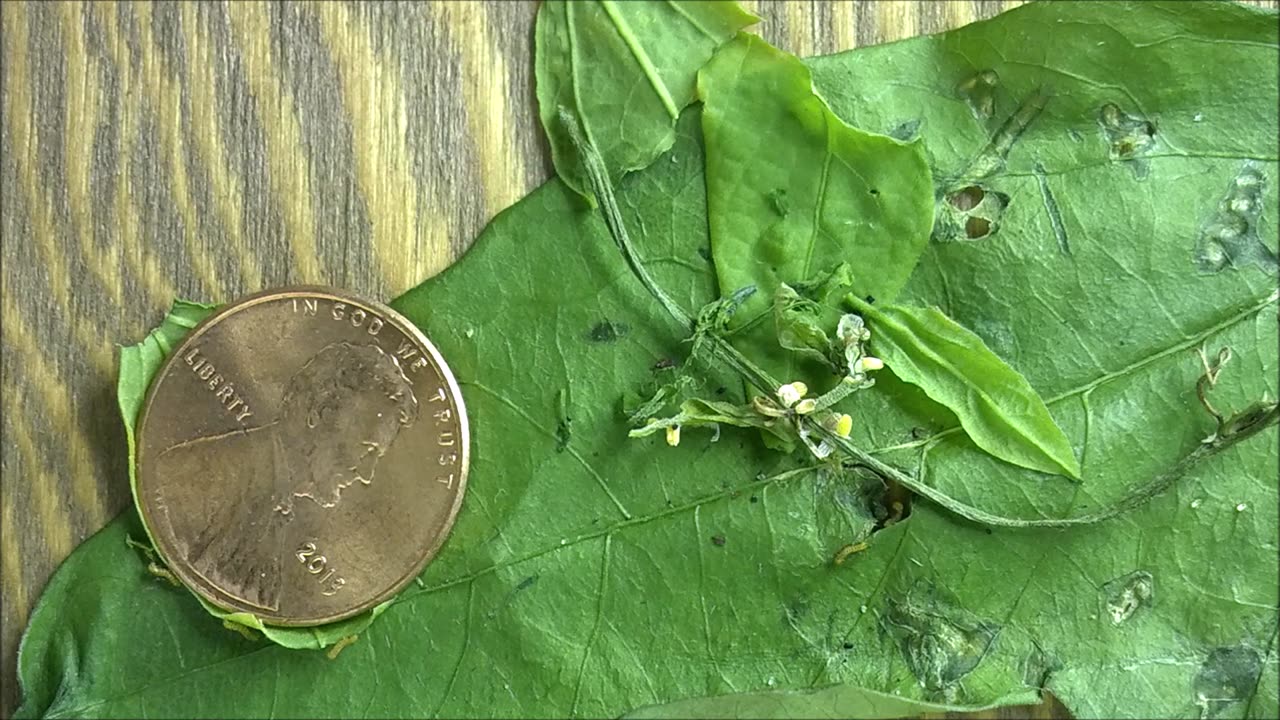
(575, 542)
(998, 409)
(624, 70)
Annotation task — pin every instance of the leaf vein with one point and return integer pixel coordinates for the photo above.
(642, 58)
(595, 626)
(466, 643)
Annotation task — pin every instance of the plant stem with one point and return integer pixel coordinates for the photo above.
(602, 187)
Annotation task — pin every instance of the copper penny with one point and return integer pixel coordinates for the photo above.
(301, 456)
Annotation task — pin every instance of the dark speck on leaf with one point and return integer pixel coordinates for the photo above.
(720, 391)
(717, 540)
(705, 253)
(755, 499)
(527, 582)
(870, 299)
(875, 191)
(906, 131)
(778, 199)
(664, 364)
(848, 646)
(564, 433)
(608, 331)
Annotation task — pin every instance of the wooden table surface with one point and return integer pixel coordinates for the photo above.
(154, 151)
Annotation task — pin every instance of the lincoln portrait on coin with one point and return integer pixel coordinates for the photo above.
(234, 494)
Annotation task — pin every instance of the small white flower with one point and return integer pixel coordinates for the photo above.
(791, 393)
(868, 363)
(673, 435)
(851, 329)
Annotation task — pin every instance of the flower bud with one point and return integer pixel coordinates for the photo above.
(673, 435)
(868, 363)
(844, 426)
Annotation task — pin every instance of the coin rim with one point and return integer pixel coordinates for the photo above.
(205, 588)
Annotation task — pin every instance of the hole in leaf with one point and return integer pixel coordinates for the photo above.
(1129, 135)
(892, 506)
(976, 228)
(966, 198)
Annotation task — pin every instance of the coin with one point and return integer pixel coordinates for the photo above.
(301, 456)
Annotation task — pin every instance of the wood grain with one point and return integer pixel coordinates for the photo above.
(153, 151)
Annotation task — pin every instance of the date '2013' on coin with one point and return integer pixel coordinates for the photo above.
(302, 456)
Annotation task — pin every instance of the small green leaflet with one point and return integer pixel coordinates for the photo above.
(138, 365)
(626, 70)
(996, 406)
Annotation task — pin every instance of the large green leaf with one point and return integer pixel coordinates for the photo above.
(998, 410)
(576, 542)
(624, 70)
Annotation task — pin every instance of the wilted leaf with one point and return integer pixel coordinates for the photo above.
(800, 327)
(699, 413)
(624, 70)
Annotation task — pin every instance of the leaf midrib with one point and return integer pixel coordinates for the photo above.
(642, 58)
